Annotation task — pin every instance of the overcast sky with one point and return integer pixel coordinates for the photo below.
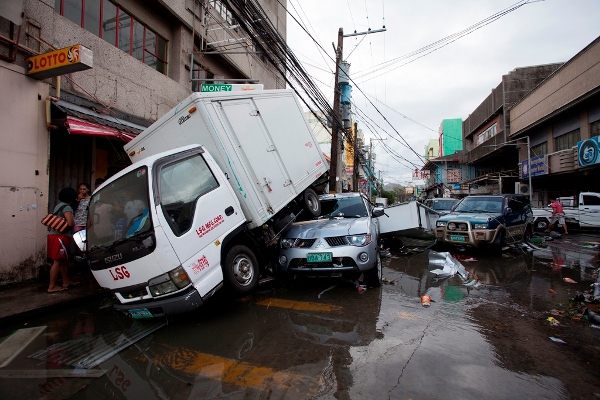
(447, 83)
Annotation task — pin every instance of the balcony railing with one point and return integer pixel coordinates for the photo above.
(485, 148)
(562, 161)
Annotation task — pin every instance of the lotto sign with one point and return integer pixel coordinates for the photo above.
(60, 62)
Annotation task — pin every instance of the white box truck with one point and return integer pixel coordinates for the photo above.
(212, 184)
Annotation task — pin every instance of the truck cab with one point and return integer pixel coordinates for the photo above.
(487, 220)
(156, 238)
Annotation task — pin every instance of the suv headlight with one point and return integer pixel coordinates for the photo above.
(359, 240)
(176, 279)
(440, 223)
(287, 243)
(451, 226)
(480, 226)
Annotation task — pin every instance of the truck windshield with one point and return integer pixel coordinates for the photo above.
(119, 210)
(480, 204)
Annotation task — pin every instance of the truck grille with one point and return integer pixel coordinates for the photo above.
(303, 243)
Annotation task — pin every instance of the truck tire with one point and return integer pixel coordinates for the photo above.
(374, 276)
(527, 234)
(541, 224)
(311, 202)
(241, 269)
(498, 243)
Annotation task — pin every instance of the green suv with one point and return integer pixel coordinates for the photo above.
(490, 220)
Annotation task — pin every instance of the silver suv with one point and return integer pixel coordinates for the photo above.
(343, 240)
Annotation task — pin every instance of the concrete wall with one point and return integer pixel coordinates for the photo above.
(23, 174)
(577, 78)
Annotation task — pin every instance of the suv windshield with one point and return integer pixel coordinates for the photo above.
(480, 204)
(119, 210)
(343, 207)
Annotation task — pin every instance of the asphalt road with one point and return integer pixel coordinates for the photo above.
(484, 337)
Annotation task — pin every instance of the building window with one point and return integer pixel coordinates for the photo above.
(567, 141)
(595, 128)
(222, 10)
(487, 134)
(200, 72)
(539, 149)
(118, 28)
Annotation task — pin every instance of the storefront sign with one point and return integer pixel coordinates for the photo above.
(60, 62)
(539, 166)
(587, 151)
(225, 87)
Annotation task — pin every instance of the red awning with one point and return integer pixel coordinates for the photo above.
(77, 126)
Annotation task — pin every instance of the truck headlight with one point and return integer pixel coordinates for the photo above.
(440, 223)
(480, 226)
(176, 279)
(287, 243)
(359, 240)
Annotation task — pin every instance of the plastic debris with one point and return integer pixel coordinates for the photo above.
(387, 281)
(329, 288)
(569, 280)
(551, 291)
(451, 266)
(557, 340)
(553, 321)
(425, 300)
(361, 289)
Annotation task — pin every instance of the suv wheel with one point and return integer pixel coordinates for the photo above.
(374, 276)
(498, 243)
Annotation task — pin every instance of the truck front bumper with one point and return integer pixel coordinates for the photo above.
(181, 303)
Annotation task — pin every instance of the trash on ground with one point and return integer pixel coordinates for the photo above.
(387, 281)
(553, 321)
(557, 340)
(557, 313)
(569, 280)
(463, 258)
(551, 291)
(451, 266)
(361, 289)
(425, 300)
(329, 288)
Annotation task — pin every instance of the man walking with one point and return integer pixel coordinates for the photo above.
(558, 214)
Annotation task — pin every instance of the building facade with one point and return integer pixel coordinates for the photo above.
(60, 131)
(561, 119)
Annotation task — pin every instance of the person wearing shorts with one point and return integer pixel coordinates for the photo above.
(558, 215)
(59, 243)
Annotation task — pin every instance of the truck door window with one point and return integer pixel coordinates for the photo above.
(182, 183)
(591, 200)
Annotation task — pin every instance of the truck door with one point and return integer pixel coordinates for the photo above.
(589, 210)
(197, 207)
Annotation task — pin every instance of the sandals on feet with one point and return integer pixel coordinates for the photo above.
(59, 289)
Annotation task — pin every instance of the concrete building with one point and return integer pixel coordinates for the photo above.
(493, 163)
(561, 117)
(58, 132)
(450, 136)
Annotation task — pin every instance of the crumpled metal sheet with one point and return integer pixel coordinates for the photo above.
(89, 352)
(450, 265)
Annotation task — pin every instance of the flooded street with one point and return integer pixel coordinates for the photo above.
(484, 337)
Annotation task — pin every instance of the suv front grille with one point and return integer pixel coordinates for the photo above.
(303, 243)
(337, 241)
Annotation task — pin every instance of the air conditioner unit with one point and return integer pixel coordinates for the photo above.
(521, 188)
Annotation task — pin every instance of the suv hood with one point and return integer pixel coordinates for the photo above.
(480, 216)
(328, 228)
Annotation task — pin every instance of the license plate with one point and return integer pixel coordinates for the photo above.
(318, 257)
(457, 238)
(140, 313)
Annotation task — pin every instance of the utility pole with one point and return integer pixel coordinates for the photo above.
(356, 159)
(335, 184)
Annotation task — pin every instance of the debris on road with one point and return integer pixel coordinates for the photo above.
(557, 340)
(553, 321)
(425, 300)
(569, 280)
(451, 266)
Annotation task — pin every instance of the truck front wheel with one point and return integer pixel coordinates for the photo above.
(241, 269)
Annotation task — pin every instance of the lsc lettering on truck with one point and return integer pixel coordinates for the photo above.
(210, 225)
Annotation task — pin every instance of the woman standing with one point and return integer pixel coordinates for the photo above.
(81, 212)
(58, 242)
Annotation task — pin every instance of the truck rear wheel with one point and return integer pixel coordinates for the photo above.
(311, 202)
(541, 224)
(241, 269)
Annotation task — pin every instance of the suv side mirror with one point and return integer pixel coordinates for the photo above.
(507, 210)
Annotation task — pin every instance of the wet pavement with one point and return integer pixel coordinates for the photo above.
(487, 336)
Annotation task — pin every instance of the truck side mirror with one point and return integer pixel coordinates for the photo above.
(507, 210)
(80, 240)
